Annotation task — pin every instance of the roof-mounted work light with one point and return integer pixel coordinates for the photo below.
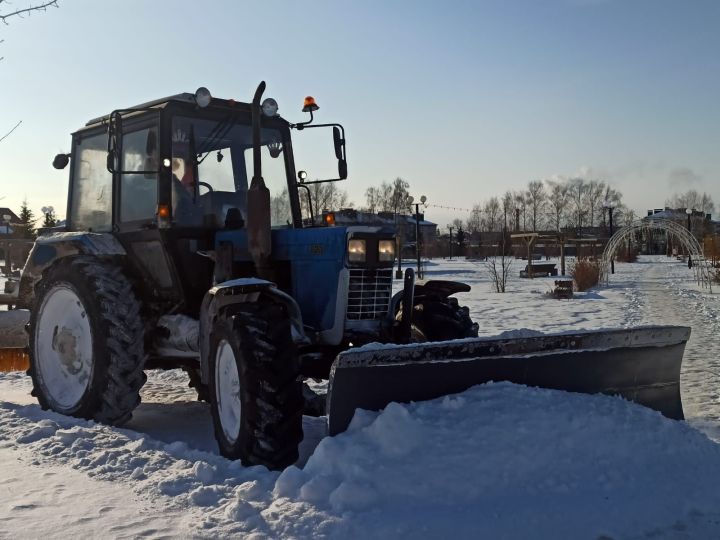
(202, 97)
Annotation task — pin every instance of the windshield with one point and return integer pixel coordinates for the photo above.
(212, 168)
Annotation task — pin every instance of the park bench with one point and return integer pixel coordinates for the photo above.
(539, 270)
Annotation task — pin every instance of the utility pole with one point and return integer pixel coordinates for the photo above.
(612, 259)
(689, 213)
(608, 205)
(451, 230)
(418, 236)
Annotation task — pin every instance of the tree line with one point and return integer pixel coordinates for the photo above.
(573, 203)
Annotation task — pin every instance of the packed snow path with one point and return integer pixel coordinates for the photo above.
(662, 291)
(498, 461)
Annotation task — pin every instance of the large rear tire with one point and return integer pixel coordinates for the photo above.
(255, 386)
(86, 342)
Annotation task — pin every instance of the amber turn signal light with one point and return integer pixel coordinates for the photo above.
(163, 211)
(329, 219)
(309, 104)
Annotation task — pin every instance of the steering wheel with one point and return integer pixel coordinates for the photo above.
(206, 185)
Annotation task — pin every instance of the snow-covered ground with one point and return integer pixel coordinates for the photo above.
(498, 461)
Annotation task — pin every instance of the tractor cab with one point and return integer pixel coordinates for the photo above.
(166, 177)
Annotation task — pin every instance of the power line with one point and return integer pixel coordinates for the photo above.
(449, 207)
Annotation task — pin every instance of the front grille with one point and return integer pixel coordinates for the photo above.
(369, 293)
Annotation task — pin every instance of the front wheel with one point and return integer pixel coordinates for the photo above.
(441, 319)
(255, 389)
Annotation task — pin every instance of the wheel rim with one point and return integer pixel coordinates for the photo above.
(64, 348)
(227, 391)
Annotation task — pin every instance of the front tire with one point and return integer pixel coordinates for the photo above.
(86, 342)
(442, 319)
(255, 387)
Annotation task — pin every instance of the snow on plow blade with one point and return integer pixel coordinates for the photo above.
(639, 364)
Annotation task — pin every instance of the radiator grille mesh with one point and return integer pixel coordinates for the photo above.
(369, 293)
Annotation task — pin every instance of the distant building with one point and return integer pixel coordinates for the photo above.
(701, 225)
(7, 217)
(402, 223)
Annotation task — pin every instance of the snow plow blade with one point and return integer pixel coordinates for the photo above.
(639, 364)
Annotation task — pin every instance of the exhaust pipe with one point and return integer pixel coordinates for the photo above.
(258, 198)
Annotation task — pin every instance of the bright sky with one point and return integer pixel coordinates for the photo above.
(463, 99)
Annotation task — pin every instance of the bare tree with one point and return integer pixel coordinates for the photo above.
(372, 199)
(558, 202)
(594, 197)
(692, 199)
(13, 129)
(536, 200)
(628, 217)
(325, 196)
(473, 224)
(399, 201)
(21, 12)
(25, 11)
(577, 192)
(499, 266)
(280, 208)
(508, 208)
(492, 221)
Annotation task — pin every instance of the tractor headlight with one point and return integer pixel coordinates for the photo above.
(356, 251)
(386, 250)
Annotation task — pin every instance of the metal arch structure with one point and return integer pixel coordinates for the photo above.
(701, 267)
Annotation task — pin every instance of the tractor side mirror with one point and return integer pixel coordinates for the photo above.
(339, 143)
(61, 161)
(342, 169)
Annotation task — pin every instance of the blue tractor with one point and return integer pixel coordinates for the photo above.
(186, 246)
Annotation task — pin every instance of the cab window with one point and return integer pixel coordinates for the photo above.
(138, 191)
(91, 201)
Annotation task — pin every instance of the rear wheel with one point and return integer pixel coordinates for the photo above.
(86, 342)
(255, 390)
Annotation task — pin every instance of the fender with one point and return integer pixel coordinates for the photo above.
(49, 249)
(237, 291)
(437, 289)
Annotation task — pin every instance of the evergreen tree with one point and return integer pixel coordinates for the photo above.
(50, 219)
(26, 227)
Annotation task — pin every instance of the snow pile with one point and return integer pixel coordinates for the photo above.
(500, 461)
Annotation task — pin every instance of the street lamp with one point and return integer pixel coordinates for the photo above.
(689, 213)
(610, 208)
(423, 201)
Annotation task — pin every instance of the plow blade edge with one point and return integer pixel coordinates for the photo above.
(639, 364)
